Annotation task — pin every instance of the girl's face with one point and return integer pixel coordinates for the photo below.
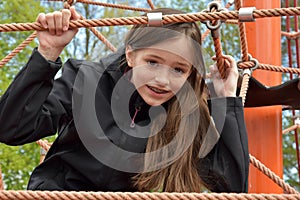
(159, 71)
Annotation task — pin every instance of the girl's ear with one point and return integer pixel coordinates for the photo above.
(129, 56)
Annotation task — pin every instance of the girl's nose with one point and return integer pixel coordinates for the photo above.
(162, 76)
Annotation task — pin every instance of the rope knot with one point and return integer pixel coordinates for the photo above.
(69, 3)
(248, 65)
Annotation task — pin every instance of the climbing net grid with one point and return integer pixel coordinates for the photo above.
(213, 15)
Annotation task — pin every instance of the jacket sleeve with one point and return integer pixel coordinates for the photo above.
(31, 109)
(226, 167)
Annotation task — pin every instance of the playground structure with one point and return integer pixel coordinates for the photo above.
(267, 119)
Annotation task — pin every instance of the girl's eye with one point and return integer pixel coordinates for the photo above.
(178, 70)
(152, 63)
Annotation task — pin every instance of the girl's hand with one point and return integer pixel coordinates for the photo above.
(225, 87)
(53, 41)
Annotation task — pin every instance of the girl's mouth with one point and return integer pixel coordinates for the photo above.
(156, 90)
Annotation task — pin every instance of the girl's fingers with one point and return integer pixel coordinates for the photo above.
(74, 14)
(41, 18)
(51, 23)
(66, 15)
(214, 72)
(58, 22)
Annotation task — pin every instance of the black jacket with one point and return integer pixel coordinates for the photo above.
(35, 106)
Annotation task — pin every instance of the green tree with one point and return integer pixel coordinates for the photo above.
(16, 162)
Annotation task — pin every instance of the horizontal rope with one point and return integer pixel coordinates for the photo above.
(249, 64)
(24, 195)
(111, 5)
(191, 17)
(291, 35)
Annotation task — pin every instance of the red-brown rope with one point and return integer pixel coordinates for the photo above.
(1, 181)
(242, 33)
(219, 57)
(68, 4)
(244, 87)
(290, 35)
(245, 53)
(19, 48)
(191, 17)
(47, 195)
(118, 6)
(245, 65)
(294, 127)
(102, 38)
(287, 188)
(218, 48)
(151, 4)
(170, 19)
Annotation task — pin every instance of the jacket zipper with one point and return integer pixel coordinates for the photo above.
(137, 109)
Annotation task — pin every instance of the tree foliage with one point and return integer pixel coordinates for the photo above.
(18, 162)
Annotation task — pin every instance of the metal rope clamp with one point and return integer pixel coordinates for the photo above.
(251, 69)
(214, 25)
(154, 19)
(246, 14)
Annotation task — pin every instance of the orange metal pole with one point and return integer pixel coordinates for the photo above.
(264, 124)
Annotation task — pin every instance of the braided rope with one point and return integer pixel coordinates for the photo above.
(47, 195)
(219, 57)
(67, 5)
(19, 48)
(119, 6)
(279, 69)
(1, 181)
(191, 17)
(242, 33)
(111, 5)
(291, 35)
(101, 37)
(151, 4)
(294, 127)
(287, 188)
(218, 48)
(244, 87)
(248, 64)
(261, 13)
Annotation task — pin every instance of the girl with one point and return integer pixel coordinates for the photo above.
(138, 120)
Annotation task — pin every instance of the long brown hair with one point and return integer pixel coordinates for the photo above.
(185, 112)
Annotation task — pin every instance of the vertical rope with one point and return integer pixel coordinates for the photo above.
(244, 50)
(242, 33)
(1, 180)
(290, 62)
(245, 84)
(151, 4)
(218, 49)
(298, 64)
(296, 22)
(244, 87)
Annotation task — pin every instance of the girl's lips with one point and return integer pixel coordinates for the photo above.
(157, 90)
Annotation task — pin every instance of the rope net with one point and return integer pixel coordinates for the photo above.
(214, 15)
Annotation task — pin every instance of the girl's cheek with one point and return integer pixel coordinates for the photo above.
(141, 77)
(177, 85)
